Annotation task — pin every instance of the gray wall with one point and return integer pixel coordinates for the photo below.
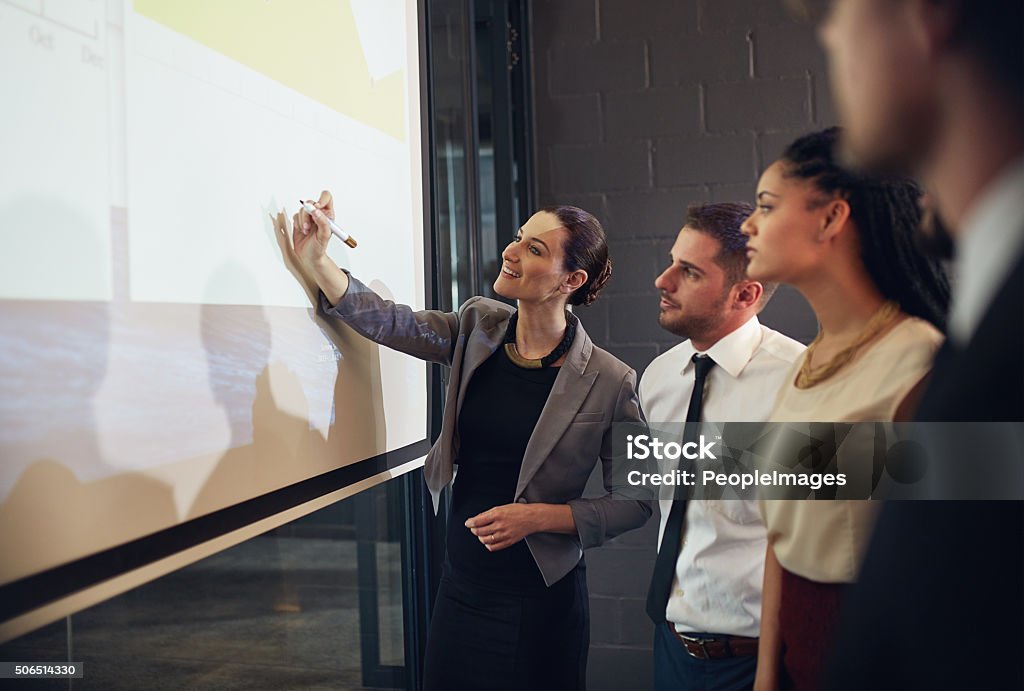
(641, 108)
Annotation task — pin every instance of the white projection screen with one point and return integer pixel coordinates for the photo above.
(165, 380)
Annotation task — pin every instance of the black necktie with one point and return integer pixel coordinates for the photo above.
(665, 565)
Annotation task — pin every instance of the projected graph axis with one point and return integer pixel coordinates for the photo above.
(44, 10)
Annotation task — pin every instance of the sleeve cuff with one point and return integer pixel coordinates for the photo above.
(342, 308)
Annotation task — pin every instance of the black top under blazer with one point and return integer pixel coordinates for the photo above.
(592, 390)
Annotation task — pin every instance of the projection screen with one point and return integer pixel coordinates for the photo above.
(165, 380)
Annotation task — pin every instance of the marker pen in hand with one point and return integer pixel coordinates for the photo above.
(335, 228)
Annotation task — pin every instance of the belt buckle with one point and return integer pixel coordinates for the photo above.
(701, 643)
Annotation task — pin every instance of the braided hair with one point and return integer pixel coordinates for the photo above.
(887, 213)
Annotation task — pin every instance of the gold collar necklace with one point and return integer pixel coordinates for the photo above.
(809, 376)
(530, 363)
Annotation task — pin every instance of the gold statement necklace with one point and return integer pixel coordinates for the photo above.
(808, 376)
(530, 363)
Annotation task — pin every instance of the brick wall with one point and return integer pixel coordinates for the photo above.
(641, 108)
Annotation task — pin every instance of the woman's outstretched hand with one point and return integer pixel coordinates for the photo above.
(311, 233)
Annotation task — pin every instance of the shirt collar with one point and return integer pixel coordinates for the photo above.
(732, 352)
(990, 243)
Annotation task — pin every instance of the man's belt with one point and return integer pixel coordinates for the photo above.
(716, 646)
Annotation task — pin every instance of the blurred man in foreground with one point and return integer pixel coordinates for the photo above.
(936, 88)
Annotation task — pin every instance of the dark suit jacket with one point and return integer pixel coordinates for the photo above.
(592, 390)
(940, 600)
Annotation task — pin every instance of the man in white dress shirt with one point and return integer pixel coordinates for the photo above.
(706, 635)
(937, 87)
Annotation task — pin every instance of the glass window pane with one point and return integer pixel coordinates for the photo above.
(315, 604)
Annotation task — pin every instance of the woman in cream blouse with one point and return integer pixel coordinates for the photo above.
(846, 242)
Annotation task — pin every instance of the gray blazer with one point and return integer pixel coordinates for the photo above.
(592, 390)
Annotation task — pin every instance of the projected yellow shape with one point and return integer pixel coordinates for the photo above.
(311, 46)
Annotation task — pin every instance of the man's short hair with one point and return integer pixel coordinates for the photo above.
(722, 221)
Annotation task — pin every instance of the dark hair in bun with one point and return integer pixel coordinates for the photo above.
(586, 249)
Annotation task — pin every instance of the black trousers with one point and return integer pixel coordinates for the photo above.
(483, 638)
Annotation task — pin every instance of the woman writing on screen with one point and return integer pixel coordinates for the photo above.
(847, 242)
(530, 404)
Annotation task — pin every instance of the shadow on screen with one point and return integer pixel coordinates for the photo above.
(273, 443)
(56, 486)
(358, 428)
